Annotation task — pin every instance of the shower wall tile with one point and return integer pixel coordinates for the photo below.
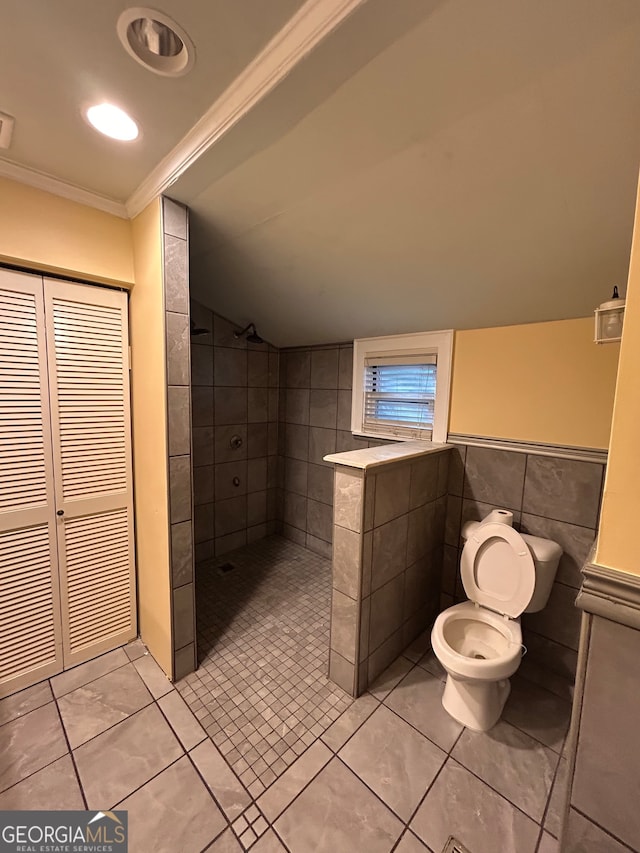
(181, 436)
(315, 420)
(239, 454)
(551, 497)
(176, 296)
(180, 488)
(178, 420)
(177, 326)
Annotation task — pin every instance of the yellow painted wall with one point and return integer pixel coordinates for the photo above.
(44, 232)
(149, 411)
(540, 382)
(617, 538)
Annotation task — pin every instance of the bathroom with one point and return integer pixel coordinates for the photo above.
(282, 694)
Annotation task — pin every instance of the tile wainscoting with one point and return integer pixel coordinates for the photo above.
(555, 498)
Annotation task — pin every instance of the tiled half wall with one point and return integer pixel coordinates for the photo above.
(551, 497)
(388, 531)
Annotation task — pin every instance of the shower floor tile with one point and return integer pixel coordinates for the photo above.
(261, 690)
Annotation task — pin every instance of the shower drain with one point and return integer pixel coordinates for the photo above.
(454, 846)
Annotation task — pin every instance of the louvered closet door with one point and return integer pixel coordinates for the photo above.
(89, 377)
(30, 628)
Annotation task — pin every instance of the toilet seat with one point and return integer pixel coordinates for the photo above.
(497, 569)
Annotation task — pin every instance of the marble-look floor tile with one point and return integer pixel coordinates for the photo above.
(394, 760)
(431, 663)
(347, 723)
(418, 700)
(275, 800)
(391, 676)
(29, 743)
(226, 843)
(86, 672)
(269, 843)
(121, 759)
(95, 707)
(26, 700)
(181, 719)
(517, 766)
(419, 647)
(336, 812)
(157, 682)
(538, 712)
(221, 780)
(555, 809)
(459, 804)
(135, 649)
(173, 812)
(53, 787)
(409, 843)
(548, 844)
(583, 836)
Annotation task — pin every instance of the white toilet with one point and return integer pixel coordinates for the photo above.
(479, 642)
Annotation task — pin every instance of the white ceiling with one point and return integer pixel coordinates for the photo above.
(431, 164)
(59, 56)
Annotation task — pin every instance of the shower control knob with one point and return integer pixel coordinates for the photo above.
(236, 481)
(236, 442)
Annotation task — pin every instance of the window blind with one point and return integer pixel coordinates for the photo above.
(399, 394)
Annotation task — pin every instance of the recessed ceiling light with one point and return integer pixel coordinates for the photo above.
(113, 122)
(155, 40)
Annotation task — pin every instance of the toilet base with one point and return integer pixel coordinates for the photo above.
(475, 704)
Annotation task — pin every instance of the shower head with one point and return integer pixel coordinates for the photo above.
(196, 330)
(253, 337)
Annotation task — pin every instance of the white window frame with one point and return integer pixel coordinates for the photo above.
(439, 344)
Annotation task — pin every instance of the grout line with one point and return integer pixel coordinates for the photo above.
(72, 755)
(600, 827)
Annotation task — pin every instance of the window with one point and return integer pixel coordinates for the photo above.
(401, 386)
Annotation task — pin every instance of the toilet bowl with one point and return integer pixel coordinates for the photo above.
(479, 642)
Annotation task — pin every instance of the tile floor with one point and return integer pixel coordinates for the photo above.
(391, 772)
(261, 689)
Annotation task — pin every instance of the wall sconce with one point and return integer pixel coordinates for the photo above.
(609, 317)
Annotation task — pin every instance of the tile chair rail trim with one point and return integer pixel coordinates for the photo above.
(610, 593)
(558, 451)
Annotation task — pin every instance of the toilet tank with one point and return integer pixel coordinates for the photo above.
(546, 557)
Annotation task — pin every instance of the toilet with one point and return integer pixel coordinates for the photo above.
(479, 642)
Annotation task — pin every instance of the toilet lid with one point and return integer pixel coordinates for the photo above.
(497, 569)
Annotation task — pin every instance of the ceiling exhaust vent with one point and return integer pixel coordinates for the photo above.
(6, 130)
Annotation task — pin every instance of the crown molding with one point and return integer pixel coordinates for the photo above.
(50, 184)
(309, 26)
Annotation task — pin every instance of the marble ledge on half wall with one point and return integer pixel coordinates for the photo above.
(373, 457)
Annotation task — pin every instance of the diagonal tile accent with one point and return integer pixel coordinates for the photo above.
(86, 672)
(517, 766)
(337, 812)
(418, 700)
(123, 758)
(29, 743)
(394, 760)
(53, 787)
(173, 812)
(95, 707)
(459, 804)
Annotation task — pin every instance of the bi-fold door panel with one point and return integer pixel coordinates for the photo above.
(89, 376)
(30, 623)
